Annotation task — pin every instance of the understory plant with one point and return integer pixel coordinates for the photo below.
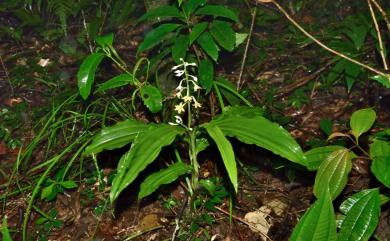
(359, 213)
(244, 123)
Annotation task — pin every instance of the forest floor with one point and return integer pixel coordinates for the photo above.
(271, 194)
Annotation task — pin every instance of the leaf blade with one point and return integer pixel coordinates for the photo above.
(155, 36)
(86, 73)
(226, 150)
(143, 151)
(162, 177)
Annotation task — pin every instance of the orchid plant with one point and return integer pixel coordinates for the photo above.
(245, 123)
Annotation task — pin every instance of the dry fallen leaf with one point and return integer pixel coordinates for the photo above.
(259, 222)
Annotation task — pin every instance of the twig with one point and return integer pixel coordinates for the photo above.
(301, 82)
(244, 222)
(6, 75)
(378, 32)
(281, 9)
(380, 9)
(239, 84)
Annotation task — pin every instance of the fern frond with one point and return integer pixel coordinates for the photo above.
(62, 9)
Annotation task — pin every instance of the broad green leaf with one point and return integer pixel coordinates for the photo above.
(117, 81)
(165, 11)
(380, 166)
(155, 36)
(152, 98)
(164, 176)
(207, 43)
(352, 72)
(226, 151)
(223, 33)
(217, 11)
(248, 126)
(105, 40)
(229, 91)
(333, 173)
(180, 47)
(318, 223)
(362, 121)
(240, 38)
(116, 136)
(384, 80)
(362, 212)
(201, 144)
(143, 151)
(86, 73)
(197, 30)
(4, 230)
(192, 5)
(68, 184)
(206, 74)
(317, 155)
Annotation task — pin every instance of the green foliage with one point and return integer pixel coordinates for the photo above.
(248, 126)
(362, 211)
(380, 155)
(86, 73)
(227, 153)
(332, 174)
(143, 151)
(4, 230)
(318, 223)
(164, 176)
(362, 121)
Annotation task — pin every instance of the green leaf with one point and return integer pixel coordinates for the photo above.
(326, 126)
(117, 81)
(86, 73)
(143, 151)
(207, 43)
(248, 126)
(201, 144)
(68, 184)
(317, 155)
(226, 151)
(4, 230)
(318, 223)
(380, 166)
(206, 74)
(362, 121)
(152, 98)
(240, 38)
(197, 30)
(223, 33)
(155, 36)
(384, 80)
(217, 11)
(165, 11)
(179, 49)
(49, 192)
(164, 176)
(105, 40)
(333, 173)
(352, 71)
(192, 5)
(362, 212)
(116, 136)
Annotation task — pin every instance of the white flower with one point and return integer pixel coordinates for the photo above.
(196, 104)
(178, 121)
(187, 98)
(194, 78)
(178, 94)
(197, 87)
(180, 107)
(179, 72)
